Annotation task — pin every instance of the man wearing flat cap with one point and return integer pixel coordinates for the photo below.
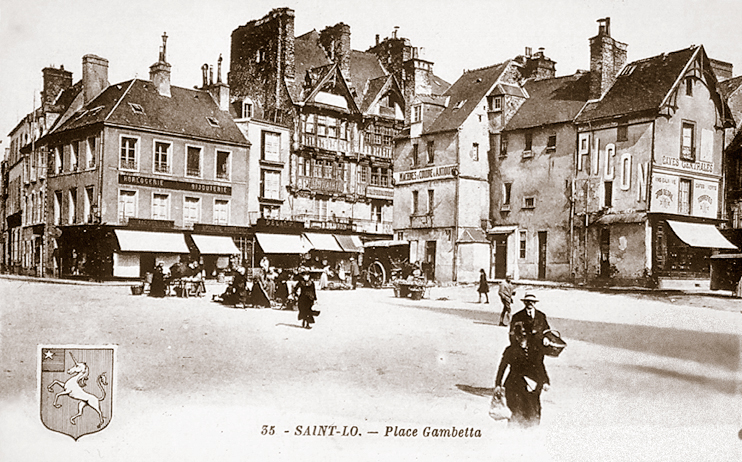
(534, 321)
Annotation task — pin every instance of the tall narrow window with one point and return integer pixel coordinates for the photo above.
(90, 153)
(162, 157)
(221, 212)
(193, 161)
(57, 208)
(622, 133)
(688, 146)
(689, 86)
(222, 165)
(376, 211)
(128, 159)
(506, 190)
(191, 210)
(551, 143)
(74, 155)
(522, 244)
(160, 206)
(415, 155)
(72, 210)
(271, 147)
(414, 202)
(431, 152)
(127, 205)
(608, 194)
(58, 159)
(87, 211)
(431, 202)
(417, 113)
(684, 198)
(528, 142)
(475, 152)
(270, 184)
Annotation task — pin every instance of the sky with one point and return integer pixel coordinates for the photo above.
(455, 36)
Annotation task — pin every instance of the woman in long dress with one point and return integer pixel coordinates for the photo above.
(157, 287)
(526, 378)
(306, 295)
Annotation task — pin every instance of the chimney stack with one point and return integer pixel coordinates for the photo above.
(607, 57)
(336, 42)
(159, 72)
(218, 90)
(94, 76)
(55, 81)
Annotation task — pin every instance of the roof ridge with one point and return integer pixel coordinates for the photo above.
(486, 67)
(121, 98)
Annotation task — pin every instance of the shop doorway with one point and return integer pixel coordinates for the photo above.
(605, 253)
(430, 260)
(542, 254)
(501, 256)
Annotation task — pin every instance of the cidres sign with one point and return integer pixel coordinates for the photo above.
(174, 184)
(426, 174)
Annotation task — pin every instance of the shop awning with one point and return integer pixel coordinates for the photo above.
(700, 235)
(349, 243)
(281, 243)
(215, 245)
(323, 242)
(151, 241)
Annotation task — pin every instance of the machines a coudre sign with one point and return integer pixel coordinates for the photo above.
(426, 174)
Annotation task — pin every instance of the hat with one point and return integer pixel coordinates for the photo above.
(529, 298)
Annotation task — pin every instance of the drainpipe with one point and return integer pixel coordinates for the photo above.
(456, 206)
(650, 263)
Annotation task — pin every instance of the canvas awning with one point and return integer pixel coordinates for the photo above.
(323, 242)
(151, 241)
(281, 243)
(215, 245)
(700, 235)
(349, 243)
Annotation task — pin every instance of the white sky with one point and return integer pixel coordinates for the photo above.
(455, 35)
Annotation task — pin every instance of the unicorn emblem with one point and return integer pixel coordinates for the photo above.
(74, 388)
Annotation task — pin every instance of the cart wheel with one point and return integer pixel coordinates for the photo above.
(376, 274)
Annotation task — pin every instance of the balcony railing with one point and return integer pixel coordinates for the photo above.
(359, 225)
(326, 185)
(328, 144)
(162, 167)
(385, 152)
(128, 164)
(193, 171)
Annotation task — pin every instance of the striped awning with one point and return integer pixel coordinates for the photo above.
(323, 242)
(349, 243)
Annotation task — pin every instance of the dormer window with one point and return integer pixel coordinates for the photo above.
(628, 69)
(460, 104)
(213, 122)
(417, 113)
(495, 103)
(136, 108)
(246, 109)
(689, 86)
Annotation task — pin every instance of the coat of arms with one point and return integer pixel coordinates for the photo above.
(76, 385)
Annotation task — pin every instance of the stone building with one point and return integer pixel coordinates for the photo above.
(342, 108)
(143, 171)
(649, 169)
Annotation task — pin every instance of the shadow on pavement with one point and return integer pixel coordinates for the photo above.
(716, 349)
(478, 391)
(722, 385)
(289, 325)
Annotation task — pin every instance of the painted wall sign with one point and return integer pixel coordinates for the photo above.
(174, 184)
(425, 174)
(705, 195)
(664, 193)
(707, 167)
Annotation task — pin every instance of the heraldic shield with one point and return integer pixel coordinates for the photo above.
(76, 388)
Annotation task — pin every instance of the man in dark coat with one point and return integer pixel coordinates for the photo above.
(306, 296)
(533, 320)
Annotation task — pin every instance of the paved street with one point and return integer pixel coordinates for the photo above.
(643, 377)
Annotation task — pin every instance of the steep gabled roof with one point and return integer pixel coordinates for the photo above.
(308, 54)
(364, 68)
(327, 74)
(730, 89)
(465, 94)
(552, 101)
(372, 90)
(438, 86)
(137, 104)
(641, 86)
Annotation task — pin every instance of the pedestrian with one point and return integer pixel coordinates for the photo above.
(355, 273)
(533, 320)
(484, 287)
(526, 378)
(506, 293)
(157, 287)
(306, 296)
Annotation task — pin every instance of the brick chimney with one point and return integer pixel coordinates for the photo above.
(538, 66)
(607, 57)
(722, 69)
(55, 81)
(159, 72)
(336, 42)
(94, 76)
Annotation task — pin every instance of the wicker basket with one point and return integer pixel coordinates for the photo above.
(137, 290)
(553, 343)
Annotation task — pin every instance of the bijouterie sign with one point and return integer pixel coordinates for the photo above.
(174, 184)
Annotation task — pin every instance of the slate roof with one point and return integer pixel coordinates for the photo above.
(308, 54)
(643, 89)
(184, 113)
(373, 87)
(438, 86)
(465, 94)
(729, 86)
(552, 101)
(730, 90)
(364, 67)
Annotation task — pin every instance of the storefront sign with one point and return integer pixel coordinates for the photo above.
(426, 174)
(377, 192)
(706, 167)
(174, 184)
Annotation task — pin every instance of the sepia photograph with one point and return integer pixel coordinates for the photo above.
(402, 230)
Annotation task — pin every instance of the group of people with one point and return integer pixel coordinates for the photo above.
(191, 274)
(348, 275)
(523, 358)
